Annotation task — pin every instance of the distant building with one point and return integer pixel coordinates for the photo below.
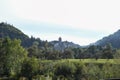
(62, 45)
(60, 39)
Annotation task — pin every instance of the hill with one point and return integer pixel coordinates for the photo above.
(113, 39)
(7, 30)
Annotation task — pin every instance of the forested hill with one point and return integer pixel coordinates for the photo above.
(11, 31)
(7, 30)
(113, 39)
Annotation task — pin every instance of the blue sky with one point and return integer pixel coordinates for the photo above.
(80, 21)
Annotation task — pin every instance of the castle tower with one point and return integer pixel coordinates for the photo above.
(60, 39)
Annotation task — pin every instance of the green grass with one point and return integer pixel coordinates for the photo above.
(102, 61)
(92, 60)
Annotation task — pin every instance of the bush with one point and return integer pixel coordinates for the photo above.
(65, 69)
(30, 67)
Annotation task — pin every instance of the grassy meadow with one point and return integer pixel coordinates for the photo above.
(101, 61)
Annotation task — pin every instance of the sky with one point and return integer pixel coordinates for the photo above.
(79, 21)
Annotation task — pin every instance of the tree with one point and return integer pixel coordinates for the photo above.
(92, 49)
(93, 72)
(65, 69)
(68, 54)
(54, 55)
(33, 50)
(78, 53)
(108, 52)
(79, 71)
(12, 55)
(30, 67)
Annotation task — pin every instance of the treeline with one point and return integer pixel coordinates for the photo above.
(93, 52)
(17, 62)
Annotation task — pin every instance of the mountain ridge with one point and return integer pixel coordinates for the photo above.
(113, 39)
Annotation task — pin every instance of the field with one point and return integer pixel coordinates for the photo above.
(101, 61)
(94, 70)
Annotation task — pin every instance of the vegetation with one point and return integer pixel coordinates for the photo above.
(41, 61)
(7, 30)
(16, 63)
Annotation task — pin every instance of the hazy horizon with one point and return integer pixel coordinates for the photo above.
(78, 21)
